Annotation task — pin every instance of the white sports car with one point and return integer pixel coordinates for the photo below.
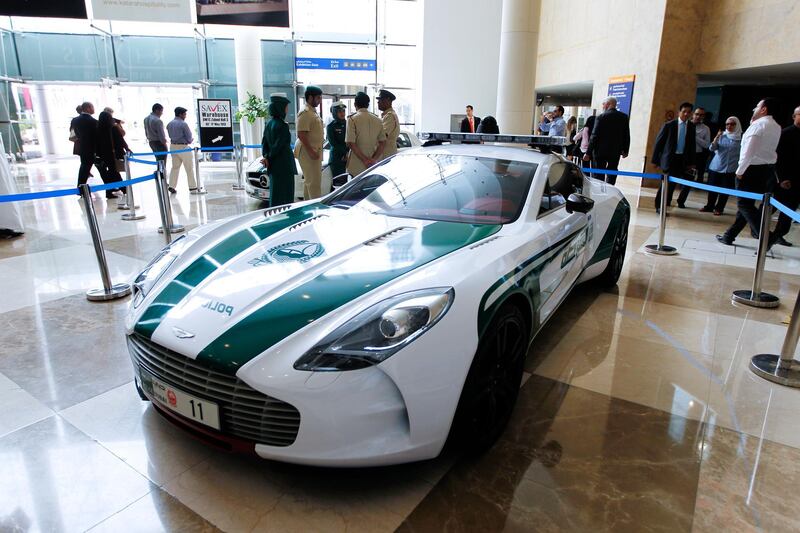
(372, 326)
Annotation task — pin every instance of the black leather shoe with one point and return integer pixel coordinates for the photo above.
(783, 242)
(724, 240)
(172, 190)
(681, 206)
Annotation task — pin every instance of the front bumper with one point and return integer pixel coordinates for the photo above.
(255, 189)
(342, 418)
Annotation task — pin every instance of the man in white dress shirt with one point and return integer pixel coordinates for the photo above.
(756, 167)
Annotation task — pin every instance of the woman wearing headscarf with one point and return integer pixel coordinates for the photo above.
(582, 140)
(110, 148)
(336, 130)
(722, 170)
(276, 149)
(488, 125)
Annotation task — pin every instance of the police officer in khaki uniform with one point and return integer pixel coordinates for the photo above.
(365, 137)
(391, 123)
(308, 150)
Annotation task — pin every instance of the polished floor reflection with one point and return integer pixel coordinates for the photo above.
(638, 412)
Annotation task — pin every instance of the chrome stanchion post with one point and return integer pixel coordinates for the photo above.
(783, 368)
(200, 187)
(131, 215)
(237, 155)
(162, 207)
(167, 225)
(754, 297)
(661, 248)
(109, 290)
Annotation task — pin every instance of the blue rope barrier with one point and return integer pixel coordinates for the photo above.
(721, 190)
(143, 161)
(643, 175)
(71, 192)
(118, 184)
(794, 215)
(36, 195)
(251, 146)
(182, 150)
(217, 149)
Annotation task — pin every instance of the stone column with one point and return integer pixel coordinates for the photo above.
(44, 128)
(249, 78)
(519, 36)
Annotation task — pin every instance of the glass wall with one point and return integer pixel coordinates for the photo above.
(160, 59)
(64, 57)
(362, 43)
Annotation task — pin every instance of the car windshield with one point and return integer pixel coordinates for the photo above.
(443, 187)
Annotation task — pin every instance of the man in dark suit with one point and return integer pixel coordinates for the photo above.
(85, 127)
(471, 123)
(674, 150)
(610, 140)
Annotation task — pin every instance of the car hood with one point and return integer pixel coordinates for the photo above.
(267, 280)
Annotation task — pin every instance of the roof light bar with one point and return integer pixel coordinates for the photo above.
(531, 140)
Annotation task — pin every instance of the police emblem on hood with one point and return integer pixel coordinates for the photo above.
(300, 251)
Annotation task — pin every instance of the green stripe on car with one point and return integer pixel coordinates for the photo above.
(528, 284)
(221, 253)
(607, 242)
(334, 288)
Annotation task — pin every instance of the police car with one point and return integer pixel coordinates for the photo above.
(257, 183)
(374, 325)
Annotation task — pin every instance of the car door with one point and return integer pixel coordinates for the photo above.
(567, 235)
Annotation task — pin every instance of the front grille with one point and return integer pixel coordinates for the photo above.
(244, 412)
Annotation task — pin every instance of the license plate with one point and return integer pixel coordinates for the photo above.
(263, 194)
(183, 403)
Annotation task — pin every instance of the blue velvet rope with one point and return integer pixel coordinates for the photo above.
(794, 215)
(217, 149)
(71, 192)
(721, 190)
(644, 175)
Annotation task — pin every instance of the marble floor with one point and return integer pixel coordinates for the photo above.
(638, 411)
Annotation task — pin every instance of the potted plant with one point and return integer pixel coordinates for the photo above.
(252, 109)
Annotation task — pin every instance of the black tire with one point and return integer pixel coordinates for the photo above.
(611, 274)
(492, 385)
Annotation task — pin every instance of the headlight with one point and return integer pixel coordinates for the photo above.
(379, 332)
(159, 264)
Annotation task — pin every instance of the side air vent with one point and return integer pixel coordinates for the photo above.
(303, 223)
(275, 210)
(389, 235)
(486, 241)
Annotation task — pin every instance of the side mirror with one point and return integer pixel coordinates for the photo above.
(340, 180)
(579, 203)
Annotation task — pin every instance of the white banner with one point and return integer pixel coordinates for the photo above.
(215, 113)
(143, 10)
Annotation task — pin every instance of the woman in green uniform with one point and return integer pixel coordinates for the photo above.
(336, 132)
(276, 149)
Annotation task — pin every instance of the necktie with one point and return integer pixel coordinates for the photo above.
(472, 125)
(681, 137)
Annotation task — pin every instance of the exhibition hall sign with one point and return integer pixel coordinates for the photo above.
(621, 88)
(214, 117)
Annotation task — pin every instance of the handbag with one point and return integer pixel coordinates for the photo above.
(120, 165)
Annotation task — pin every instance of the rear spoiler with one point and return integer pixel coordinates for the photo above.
(543, 143)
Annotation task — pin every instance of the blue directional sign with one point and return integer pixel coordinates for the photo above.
(327, 63)
(621, 88)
